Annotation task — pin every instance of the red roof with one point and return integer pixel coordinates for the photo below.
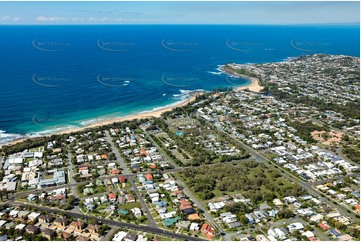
(176, 192)
(217, 94)
(206, 228)
(209, 236)
(57, 197)
(185, 202)
(83, 168)
(149, 176)
(357, 207)
(115, 171)
(122, 179)
(194, 216)
(144, 152)
(323, 226)
(182, 207)
(112, 196)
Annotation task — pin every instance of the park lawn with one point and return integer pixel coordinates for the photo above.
(99, 189)
(28, 159)
(219, 193)
(270, 155)
(37, 149)
(48, 176)
(130, 205)
(251, 175)
(127, 186)
(154, 214)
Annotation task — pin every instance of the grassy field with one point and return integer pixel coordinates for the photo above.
(230, 179)
(37, 149)
(130, 205)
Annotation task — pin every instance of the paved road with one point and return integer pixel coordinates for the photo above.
(121, 162)
(71, 173)
(115, 150)
(185, 188)
(113, 223)
(308, 186)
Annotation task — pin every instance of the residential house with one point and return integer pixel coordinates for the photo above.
(149, 177)
(206, 229)
(137, 212)
(295, 227)
(193, 217)
(49, 233)
(20, 226)
(112, 197)
(45, 219)
(324, 227)
(122, 179)
(194, 227)
(65, 236)
(82, 238)
(130, 198)
(61, 222)
(131, 237)
(93, 228)
(33, 216)
(31, 229)
(77, 226)
(183, 224)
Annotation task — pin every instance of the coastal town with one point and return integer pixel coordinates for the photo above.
(277, 163)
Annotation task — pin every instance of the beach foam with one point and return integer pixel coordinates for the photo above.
(215, 73)
(7, 137)
(92, 121)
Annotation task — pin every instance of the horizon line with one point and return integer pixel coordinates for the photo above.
(274, 24)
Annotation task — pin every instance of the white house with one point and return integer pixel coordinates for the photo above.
(295, 226)
(137, 212)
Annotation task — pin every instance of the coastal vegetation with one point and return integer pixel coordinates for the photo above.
(352, 152)
(252, 179)
(304, 130)
(229, 69)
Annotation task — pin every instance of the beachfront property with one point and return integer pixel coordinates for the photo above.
(104, 184)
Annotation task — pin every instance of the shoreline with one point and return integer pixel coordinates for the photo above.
(254, 86)
(141, 115)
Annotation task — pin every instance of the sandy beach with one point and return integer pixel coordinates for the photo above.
(254, 86)
(155, 113)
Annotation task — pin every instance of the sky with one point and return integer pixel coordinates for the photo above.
(179, 12)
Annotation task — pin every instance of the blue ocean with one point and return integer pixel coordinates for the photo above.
(59, 77)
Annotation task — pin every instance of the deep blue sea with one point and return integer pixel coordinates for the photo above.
(58, 77)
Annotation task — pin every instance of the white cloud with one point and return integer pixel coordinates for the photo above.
(6, 18)
(92, 19)
(16, 19)
(51, 19)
